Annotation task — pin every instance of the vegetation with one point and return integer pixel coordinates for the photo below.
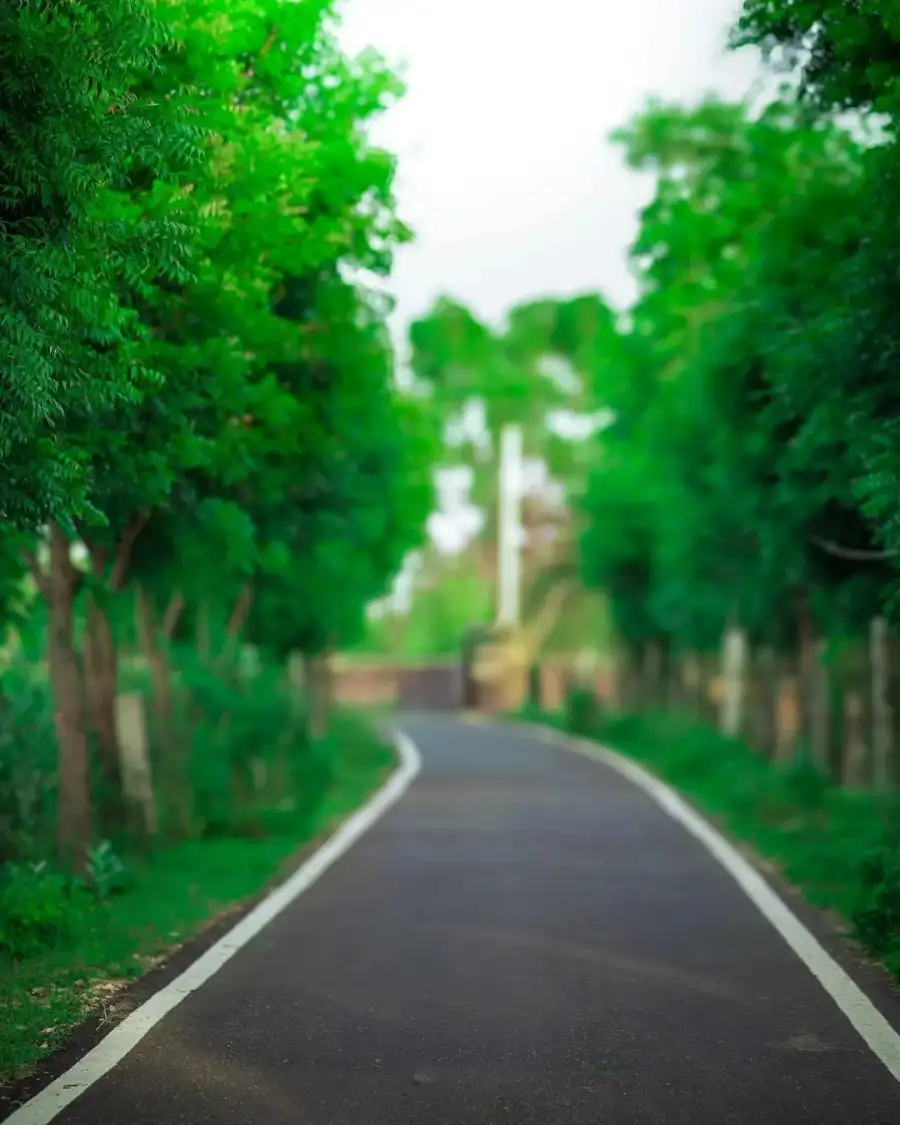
(839, 847)
(208, 468)
(747, 479)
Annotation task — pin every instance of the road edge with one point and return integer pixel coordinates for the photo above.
(882, 1039)
(51, 1100)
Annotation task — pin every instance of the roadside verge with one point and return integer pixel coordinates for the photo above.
(880, 1035)
(228, 875)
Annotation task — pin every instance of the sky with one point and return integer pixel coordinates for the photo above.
(506, 173)
(505, 170)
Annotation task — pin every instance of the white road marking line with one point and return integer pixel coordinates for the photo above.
(53, 1099)
(881, 1038)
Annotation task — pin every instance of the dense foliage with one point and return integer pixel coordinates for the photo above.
(749, 475)
(201, 437)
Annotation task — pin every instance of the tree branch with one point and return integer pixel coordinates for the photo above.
(851, 553)
(240, 611)
(123, 551)
(270, 42)
(172, 615)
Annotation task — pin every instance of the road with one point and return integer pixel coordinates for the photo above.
(527, 939)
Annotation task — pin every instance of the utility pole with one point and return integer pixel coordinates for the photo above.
(510, 526)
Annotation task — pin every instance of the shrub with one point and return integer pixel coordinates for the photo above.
(105, 873)
(876, 917)
(582, 712)
(38, 908)
(248, 756)
(27, 764)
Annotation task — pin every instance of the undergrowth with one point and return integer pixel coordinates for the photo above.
(239, 784)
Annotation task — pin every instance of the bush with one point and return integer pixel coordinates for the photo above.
(248, 758)
(582, 712)
(105, 873)
(38, 908)
(27, 764)
(876, 917)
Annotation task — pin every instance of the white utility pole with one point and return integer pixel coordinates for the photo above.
(510, 529)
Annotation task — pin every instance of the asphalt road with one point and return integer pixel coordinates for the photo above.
(525, 939)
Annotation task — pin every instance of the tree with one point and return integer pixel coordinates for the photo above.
(72, 128)
(713, 492)
(176, 438)
(538, 365)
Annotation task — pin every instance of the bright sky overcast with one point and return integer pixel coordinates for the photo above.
(506, 174)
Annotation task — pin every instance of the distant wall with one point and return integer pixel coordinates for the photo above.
(428, 686)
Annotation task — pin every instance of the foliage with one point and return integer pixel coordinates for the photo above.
(876, 917)
(38, 908)
(845, 53)
(202, 437)
(75, 127)
(734, 484)
(540, 362)
(27, 764)
(171, 895)
(448, 597)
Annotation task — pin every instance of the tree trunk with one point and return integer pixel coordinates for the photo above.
(74, 800)
(318, 690)
(155, 654)
(102, 682)
(240, 611)
(691, 684)
(169, 739)
(651, 674)
(101, 658)
(236, 621)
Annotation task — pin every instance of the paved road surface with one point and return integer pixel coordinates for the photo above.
(525, 939)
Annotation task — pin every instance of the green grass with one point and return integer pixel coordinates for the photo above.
(840, 849)
(170, 897)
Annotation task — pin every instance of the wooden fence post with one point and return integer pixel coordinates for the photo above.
(819, 699)
(134, 761)
(652, 675)
(854, 748)
(734, 673)
(768, 701)
(882, 723)
(788, 720)
(691, 680)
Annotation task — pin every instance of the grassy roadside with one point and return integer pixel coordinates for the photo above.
(169, 898)
(839, 848)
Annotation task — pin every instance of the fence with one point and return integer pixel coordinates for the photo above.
(836, 703)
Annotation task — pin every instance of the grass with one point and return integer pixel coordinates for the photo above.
(171, 897)
(839, 848)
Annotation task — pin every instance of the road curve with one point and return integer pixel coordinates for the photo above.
(525, 939)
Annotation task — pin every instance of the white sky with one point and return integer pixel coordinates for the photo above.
(506, 174)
